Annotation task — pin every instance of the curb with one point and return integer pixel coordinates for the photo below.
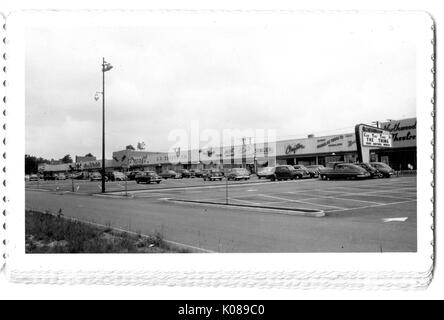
(278, 210)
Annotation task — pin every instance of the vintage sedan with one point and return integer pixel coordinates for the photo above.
(340, 170)
(286, 172)
(266, 173)
(315, 170)
(238, 174)
(95, 176)
(132, 175)
(384, 168)
(303, 170)
(170, 174)
(116, 176)
(60, 176)
(374, 173)
(196, 173)
(147, 177)
(77, 175)
(185, 173)
(212, 175)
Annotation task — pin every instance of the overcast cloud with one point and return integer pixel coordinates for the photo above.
(298, 82)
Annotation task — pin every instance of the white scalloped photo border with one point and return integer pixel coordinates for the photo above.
(3, 144)
(370, 271)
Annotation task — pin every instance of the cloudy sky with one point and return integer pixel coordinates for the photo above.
(313, 79)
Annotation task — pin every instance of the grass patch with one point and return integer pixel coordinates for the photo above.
(48, 233)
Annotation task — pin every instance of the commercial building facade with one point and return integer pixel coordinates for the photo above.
(307, 151)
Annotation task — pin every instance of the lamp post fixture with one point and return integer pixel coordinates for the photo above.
(106, 66)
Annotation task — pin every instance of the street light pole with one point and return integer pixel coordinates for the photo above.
(103, 125)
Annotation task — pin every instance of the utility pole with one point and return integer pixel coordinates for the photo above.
(103, 125)
(106, 66)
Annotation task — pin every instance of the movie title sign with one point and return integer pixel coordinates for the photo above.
(374, 137)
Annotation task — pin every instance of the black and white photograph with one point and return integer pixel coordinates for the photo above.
(233, 141)
(221, 139)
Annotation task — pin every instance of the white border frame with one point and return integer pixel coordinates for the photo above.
(373, 269)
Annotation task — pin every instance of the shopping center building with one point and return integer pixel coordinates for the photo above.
(307, 151)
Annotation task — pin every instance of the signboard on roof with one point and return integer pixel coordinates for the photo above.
(403, 132)
(316, 145)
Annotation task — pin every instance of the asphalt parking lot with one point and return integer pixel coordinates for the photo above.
(91, 187)
(331, 197)
(373, 215)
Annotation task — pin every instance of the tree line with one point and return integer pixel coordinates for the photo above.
(32, 162)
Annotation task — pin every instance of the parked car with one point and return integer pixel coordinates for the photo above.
(212, 175)
(374, 173)
(267, 173)
(238, 174)
(77, 175)
(116, 176)
(132, 175)
(27, 176)
(384, 168)
(341, 170)
(96, 176)
(147, 177)
(185, 173)
(303, 170)
(60, 176)
(196, 173)
(286, 172)
(315, 170)
(33, 177)
(49, 176)
(170, 174)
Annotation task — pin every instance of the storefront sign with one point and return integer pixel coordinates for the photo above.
(292, 148)
(138, 161)
(91, 165)
(317, 145)
(403, 132)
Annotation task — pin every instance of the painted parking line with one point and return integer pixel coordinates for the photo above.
(298, 201)
(247, 201)
(402, 219)
(342, 195)
(338, 198)
(373, 206)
